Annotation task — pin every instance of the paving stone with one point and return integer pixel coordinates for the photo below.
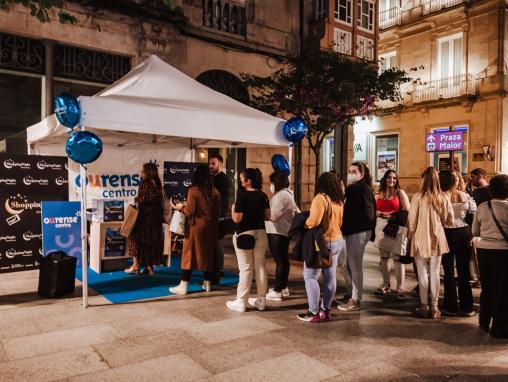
(176, 367)
(51, 367)
(125, 351)
(53, 342)
(289, 367)
(221, 331)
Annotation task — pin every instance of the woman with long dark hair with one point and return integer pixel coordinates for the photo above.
(202, 212)
(390, 199)
(283, 208)
(358, 228)
(249, 212)
(430, 211)
(458, 236)
(146, 240)
(325, 211)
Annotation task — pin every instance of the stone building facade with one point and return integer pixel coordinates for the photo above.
(459, 49)
(213, 41)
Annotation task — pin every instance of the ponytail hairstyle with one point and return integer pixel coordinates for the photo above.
(364, 170)
(255, 177)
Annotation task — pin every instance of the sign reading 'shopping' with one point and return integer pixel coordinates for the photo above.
(445, 141)
(25, 181)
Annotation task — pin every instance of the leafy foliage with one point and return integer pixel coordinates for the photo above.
(326, 89)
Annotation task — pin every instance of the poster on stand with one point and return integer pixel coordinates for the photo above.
(61, 228)
(25, 181)
(386, 160)
(178, 179)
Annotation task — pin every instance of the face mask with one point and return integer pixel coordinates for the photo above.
(352, 178)
(272, 188)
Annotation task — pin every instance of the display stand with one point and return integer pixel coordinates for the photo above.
(99, 260)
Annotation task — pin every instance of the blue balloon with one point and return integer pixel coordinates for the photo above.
(279, 163)
(67, 110)
(295, 129)
(83, 147)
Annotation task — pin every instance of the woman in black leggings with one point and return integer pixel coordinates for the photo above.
(283, 209)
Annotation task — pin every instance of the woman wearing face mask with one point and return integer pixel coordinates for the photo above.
(358, 226)
(283, 208)
(391, 199)
(249, 212)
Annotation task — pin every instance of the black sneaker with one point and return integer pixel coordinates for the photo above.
(344, 298)
(309, 317)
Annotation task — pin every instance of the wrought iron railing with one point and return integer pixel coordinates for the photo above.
(225, 15)
(456, 86)
(389, 17)
(430, 6)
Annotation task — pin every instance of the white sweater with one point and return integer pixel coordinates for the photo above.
(485, 227)
(283, 208)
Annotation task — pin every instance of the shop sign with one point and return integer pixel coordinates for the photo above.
(444, 141)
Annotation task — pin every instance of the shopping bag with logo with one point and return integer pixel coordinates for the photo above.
(177, 225)
(131, 215)
(391, 241)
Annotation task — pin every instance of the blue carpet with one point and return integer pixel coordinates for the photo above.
(119, 287)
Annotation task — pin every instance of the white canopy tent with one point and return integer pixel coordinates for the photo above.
(155, 107)
(157, 103)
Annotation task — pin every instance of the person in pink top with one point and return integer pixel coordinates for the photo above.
(390, 199)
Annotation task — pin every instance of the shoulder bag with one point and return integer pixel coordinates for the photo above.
(498, 225)
(320, 259)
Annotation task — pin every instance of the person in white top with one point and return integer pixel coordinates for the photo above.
(458, 236)
(491, 225)
(283, 209)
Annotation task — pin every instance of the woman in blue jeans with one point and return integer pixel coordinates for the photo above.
(359, 224)
(326, 210)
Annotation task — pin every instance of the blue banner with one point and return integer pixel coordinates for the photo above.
(61, 228)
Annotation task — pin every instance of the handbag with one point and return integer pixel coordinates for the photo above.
(177, 225)
(131, 215)
(498, 225)
(245, 241)
(319, 259)
(166, 208)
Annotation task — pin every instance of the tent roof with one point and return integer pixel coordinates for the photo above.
(155, 101)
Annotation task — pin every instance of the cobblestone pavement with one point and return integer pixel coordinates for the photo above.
(197, 338)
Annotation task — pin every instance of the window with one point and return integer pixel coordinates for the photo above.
(343, 11)
(385, 5)
(366, 12)
(387, 61)
(450, 59)
(365, 48)
(342, 41)
(329, 153)
(386, 154)
(321, 9)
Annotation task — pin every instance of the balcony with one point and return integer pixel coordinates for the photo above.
(430, 6)
(456, 86)
(226, 16)
(389, 17)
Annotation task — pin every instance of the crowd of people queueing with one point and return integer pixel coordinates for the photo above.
(462, 227)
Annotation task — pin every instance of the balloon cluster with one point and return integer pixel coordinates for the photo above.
(82, 146)
(294, 131)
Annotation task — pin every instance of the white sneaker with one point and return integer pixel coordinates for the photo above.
(236, 305)
(258, 303)
(180, 288)
(285, 292)
(207, 286)
(273, 295)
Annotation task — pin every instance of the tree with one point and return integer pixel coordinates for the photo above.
(41, 8)
(327, 90)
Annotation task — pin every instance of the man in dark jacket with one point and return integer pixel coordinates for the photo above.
(221, 183)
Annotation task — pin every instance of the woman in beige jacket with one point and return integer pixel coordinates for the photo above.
(430, 210)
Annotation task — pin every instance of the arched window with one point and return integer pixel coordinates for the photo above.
(225, 83)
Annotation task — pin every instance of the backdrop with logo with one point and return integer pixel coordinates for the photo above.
(25, 181)
(178, 179)
(61, 228)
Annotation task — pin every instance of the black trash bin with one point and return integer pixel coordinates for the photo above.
(57, 275)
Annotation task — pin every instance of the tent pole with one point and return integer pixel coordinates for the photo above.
(84, 234)
(290, 157)
(193, 151)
